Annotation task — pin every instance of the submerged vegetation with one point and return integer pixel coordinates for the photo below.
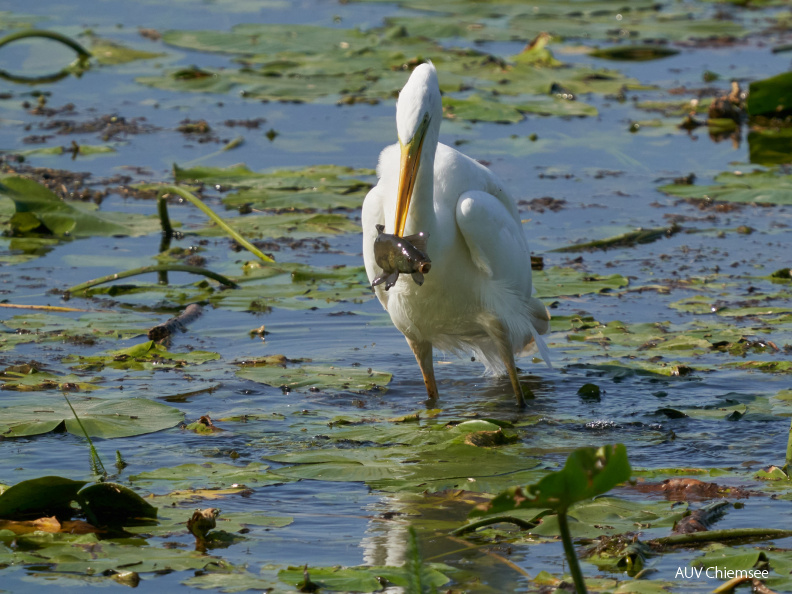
(183, 293)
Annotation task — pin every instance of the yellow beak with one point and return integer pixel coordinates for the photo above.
(408, 171)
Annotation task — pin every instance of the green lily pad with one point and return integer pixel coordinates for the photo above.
(100, 418)
(231, 582)
(758, 186)
(445, 459)
(634, 53)
(320, 377)
(555, 282)
(360, 579)
(294, 225)
(610, 516)
(319, 187)
(770, 96)
(187, 476)
(26, 378)
(366, 67)
(112, 503)
(631, 239)
(85, 554)
(588, 472)
(478, 109)
(146, 355)
(293, 296)
(513, 21)
(39, 497)
(111, 53)
(39, 210)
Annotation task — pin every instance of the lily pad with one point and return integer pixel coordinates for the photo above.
(634, 53)
(100, 418)
(555, 282)
(42, 496)
(112, 503)
(320, 187)
(109, 52)
(588, 472)
(357, 66)
(446, 459)
(611, 516)
(26, 378)
(757, 186)
(39, 210)
(770, 96)
(359, 579)
(319, 377)
(187, 476)
(146, 355)
(294, 225)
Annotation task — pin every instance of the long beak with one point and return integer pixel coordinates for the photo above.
(408, 171)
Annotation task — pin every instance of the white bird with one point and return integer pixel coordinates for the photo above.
(477, 296)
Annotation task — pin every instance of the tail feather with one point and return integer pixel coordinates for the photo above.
(540, 324)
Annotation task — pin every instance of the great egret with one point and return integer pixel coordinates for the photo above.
(477, 296)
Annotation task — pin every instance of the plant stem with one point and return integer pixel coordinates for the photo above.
(569, 551)
(96, 461)
(191, 198)
(147, 269)
(718, 535)
(81, 51)
(167, 234)
(788, 461)
(162, 209)
(493, 520)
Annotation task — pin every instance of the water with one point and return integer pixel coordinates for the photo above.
(608, 177)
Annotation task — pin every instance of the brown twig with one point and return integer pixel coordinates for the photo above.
(161, 331)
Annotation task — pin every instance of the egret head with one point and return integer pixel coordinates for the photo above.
(418, 115)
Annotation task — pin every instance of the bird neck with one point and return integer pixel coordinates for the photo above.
(421, 216)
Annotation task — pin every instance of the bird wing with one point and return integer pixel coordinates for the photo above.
(373, 214)
(495, 239)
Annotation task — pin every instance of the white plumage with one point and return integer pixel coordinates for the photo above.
(477, 296)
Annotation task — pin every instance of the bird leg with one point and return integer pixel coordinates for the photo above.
(497, 331)
(423, 354)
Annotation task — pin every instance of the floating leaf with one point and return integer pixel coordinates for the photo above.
(100, 418)
(442, 457)
(477, 108)
(588, 472)
(611, 515)
(319, 187)
(360, 579)
(211, 473)
(554, 282)
(111, 503)
(320, 377)
(112, 53)
(634, 53)
(296, 226)
(39, 497)
(39, 210)
(26, 378)
(631, 239)
(146, 355)
(770, 95)
(757, 186)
